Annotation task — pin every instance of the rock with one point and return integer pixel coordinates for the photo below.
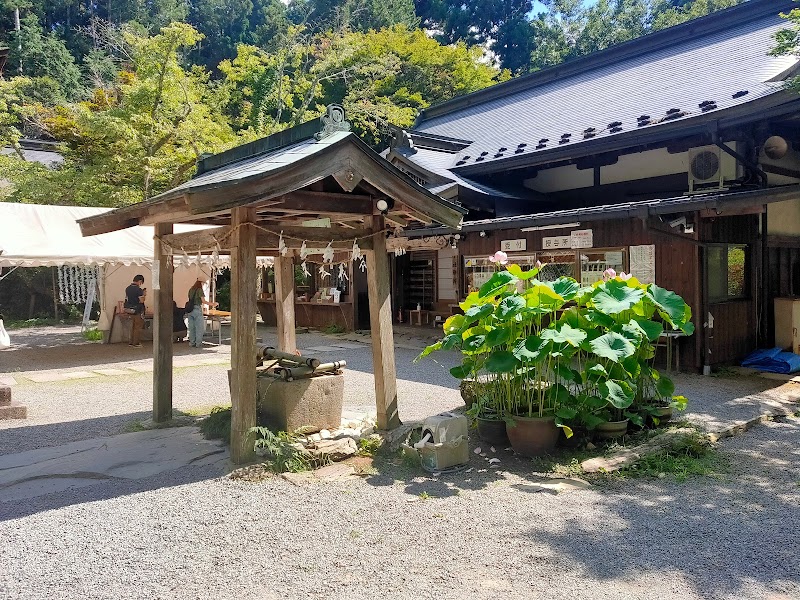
(325, 434)
(13, 410)
(314, 437)
(298, 479)
(671, 439)
(334, 450)
(335, 471)
(5, 395)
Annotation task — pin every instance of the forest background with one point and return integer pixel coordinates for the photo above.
(133, 92)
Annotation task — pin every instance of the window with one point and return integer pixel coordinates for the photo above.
(727, 272)
(478, 270)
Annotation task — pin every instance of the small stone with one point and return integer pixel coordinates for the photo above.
(494, 460)
(590, 446)
(492, 449)
(367, 431)
(477, 450)
(325, 434)
(315, 437)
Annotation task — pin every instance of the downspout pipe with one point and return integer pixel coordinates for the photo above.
(762, 176)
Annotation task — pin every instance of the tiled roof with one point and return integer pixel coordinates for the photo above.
(440, 163)
(719, 202)
(706, 75)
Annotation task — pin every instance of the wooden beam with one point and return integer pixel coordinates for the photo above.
(243, 333)
(162, 328)
(380, 317)
(203, 239)
(284, 303)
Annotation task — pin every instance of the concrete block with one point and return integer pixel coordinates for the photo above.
(315, 403)
(14, 410)
(5, 395)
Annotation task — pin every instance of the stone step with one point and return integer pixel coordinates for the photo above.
(14, 410)
(5, 395)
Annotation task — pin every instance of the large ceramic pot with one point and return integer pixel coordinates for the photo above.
(663, 414)
(533, 436)
(611, 430)
(492, 431)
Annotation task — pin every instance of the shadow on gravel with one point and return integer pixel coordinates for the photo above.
(720, 536)
(32, 437)
(106, 490)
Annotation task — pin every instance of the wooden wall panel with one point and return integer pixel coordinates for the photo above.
(734, 335)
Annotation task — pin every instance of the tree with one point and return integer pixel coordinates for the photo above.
(787, 41)
(135, 140)
(382, 78)
(499, 25)
(358, 15)
(45, 55)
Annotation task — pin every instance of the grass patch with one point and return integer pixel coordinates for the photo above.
(38, 322)
(369, 446)
(93, 335)
(281, 450)
(333, 328)
(217, 425)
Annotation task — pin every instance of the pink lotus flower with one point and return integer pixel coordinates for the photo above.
(609, 274)
(499, 257)
(625, 276)
(539, 265)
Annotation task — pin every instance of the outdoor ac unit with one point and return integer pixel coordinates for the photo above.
(711, 168)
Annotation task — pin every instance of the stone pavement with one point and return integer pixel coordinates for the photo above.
(126, 456)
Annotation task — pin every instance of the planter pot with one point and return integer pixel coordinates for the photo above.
(663, 414)
(579, 435)
(533, 436)
(612, 430)
(492, 431)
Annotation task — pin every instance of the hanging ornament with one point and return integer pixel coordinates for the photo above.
(215, 255)
(356, 251)
(363, 264)
(343, 273)
(327, 256)
(282, 245)
(306, 272)
(304, 251)
(61, 284)
(323, 273)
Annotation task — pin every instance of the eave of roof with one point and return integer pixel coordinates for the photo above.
(640, 210)
(712, 23)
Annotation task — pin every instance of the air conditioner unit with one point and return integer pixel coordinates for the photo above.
(711, 169)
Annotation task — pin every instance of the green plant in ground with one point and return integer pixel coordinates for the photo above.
(282, 451)
(333, 328)
(555, 348)
(369, 446)
(93, 335)
(217, 425)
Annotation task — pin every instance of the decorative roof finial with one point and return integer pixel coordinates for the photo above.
(332, 121)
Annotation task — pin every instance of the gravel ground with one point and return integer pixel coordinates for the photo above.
(484, 534)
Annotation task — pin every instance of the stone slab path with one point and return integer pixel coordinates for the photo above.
(89, 462)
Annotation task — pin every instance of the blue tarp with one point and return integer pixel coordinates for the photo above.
(773, 361)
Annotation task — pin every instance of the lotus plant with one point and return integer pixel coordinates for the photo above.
(580, 353)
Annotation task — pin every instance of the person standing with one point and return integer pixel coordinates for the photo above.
(195, 316)
(135, 296)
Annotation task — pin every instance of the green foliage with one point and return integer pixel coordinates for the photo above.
(280, 448)
(45, 56)
(217, 425)
(583, 355)
(369, 446)
(333, 328)
(93, 335)
(381, 78)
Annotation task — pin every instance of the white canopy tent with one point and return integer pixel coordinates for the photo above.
(33, 235)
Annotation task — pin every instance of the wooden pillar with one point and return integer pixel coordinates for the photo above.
(284, 303)
(162, 328)
(380, 318)
(243, 333)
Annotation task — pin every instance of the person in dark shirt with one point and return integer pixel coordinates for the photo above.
(135, 296)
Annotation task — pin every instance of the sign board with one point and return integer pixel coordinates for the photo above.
(643, 263)
(326, 222)
(582, 238)
(426, 243)
(560, 241)
(514, 245)
(614, 258)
